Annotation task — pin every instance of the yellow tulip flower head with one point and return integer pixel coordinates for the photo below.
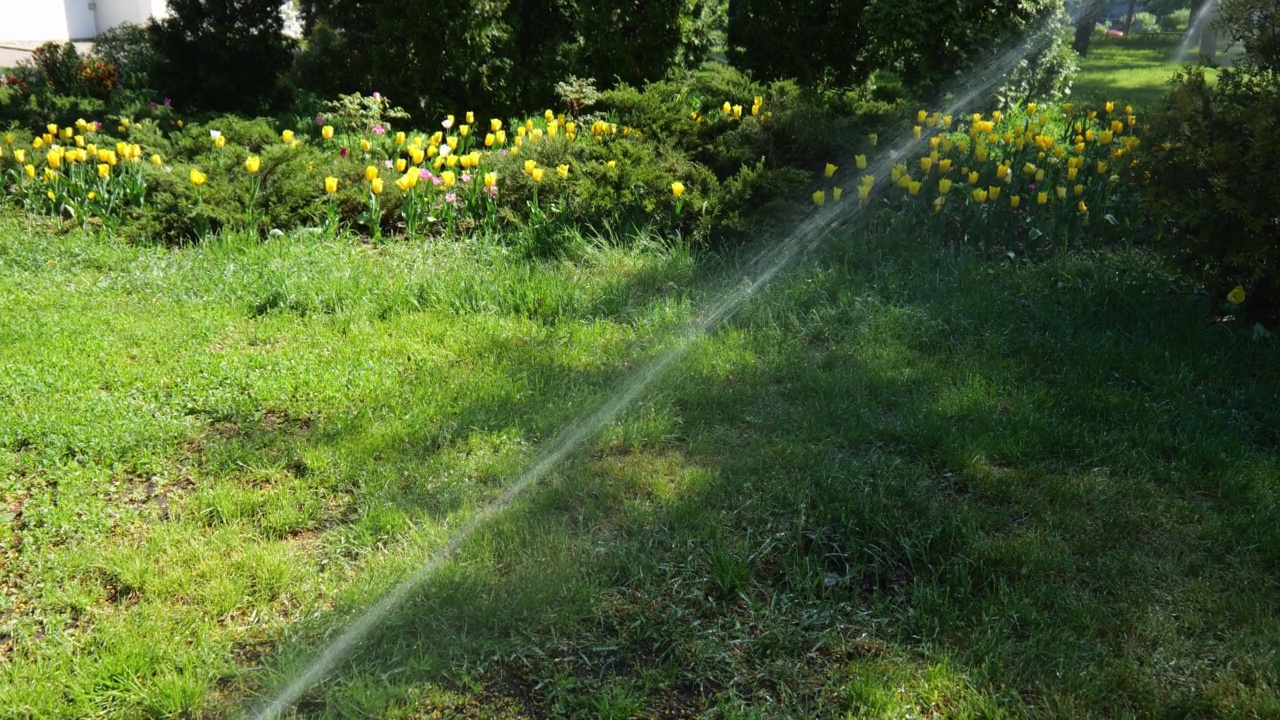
(197, 178)
(829, 170)
(1236, 296)
(819, 198)
(376, 186)
(287, 136)
(104, 170)
(370, 173)
(331, 185)
(677, 188)
(326, 132)
(252, 164)
(562, 171)
(536, 174)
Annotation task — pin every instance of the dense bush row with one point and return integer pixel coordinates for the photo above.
(738, 150)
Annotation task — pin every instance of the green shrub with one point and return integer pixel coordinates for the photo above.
(1210, 160)
(128, 48)
(1176, 21)
(1145, 22)
(1256, 25)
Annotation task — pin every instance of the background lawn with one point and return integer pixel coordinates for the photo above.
(1136, 69)
(897, 482)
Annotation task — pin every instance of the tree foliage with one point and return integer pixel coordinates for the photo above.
(222, 55)
(438, 56)
(842, 42)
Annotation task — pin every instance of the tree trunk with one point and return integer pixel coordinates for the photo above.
(1128, 18)
(1090, 11)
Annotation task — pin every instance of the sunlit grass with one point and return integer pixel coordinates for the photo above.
(897, 483)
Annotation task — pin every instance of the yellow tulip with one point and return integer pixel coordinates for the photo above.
(365, 145)
(1042, 197)
(287, 136)
(37, 143)
(326, 132)
(219, 141)
(913, 187)
(536, 174)
(926, 164)
(612, 164)
(29, 169)
(915, 131)
(1236, 296)
(51, 195)
(860, 161)
(370, 173)
(944, 186)
(973, 177)
(819, 198)
(495, 125)
(944, 165)
(980, 196)
(104, 170)
(836, 193)
(1061, 192)
(400, 138)
(1015, 200)
(331, 185)
(79, 141)
(489, 139)
(252, 164)
(1081, 207)
(868, 180)
(401, 163)
(993, 191)
(197, 178)
(54, 159)
(562, 171)
(677, 188)
(490, 179)
(529, 165)
(376, 186)
(864, 192)
(874, 138)
(155, 160)
(464, 130)
(726, 108)
(416, 153)
(829, 170)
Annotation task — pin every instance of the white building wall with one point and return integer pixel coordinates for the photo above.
(36, 21)
(81, 24)
(26, 21)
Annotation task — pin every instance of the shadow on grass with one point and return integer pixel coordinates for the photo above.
(897, 483)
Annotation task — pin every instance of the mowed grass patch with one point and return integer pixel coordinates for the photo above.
(896, 483)
(1136, 69)
(202, 446)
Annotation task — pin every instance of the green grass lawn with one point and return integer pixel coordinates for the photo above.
(897, 483)
(1135, 70)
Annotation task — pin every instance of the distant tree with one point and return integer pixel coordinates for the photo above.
(435, 56)
(223, 55)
